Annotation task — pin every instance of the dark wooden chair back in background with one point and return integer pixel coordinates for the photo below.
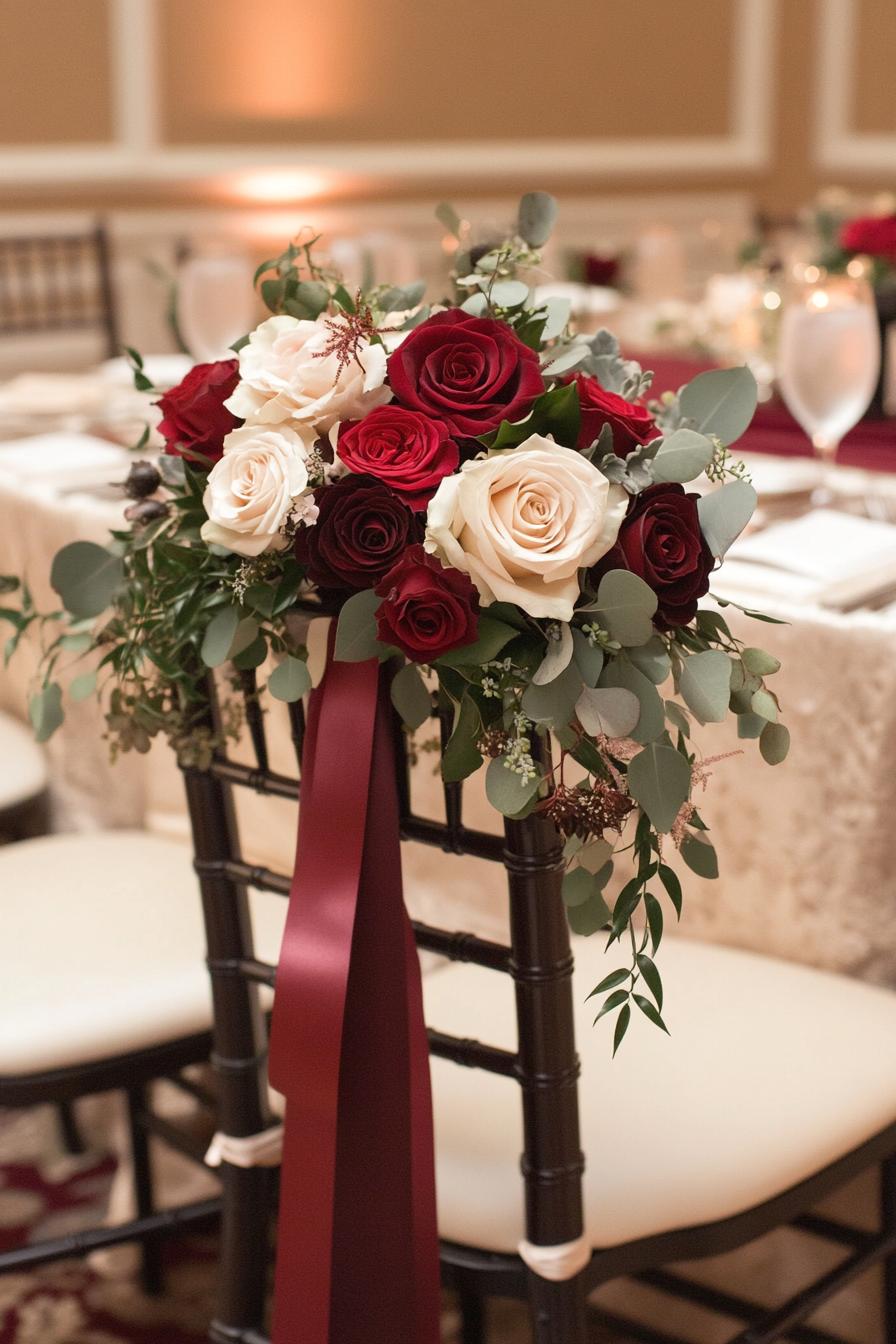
(58, 282)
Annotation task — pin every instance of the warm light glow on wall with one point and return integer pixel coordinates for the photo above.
(270, 185)
(279, 61)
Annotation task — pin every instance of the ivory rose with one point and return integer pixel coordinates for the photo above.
(523, 522)
(252, 490)
(286, 377)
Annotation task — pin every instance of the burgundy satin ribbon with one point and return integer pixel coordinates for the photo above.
(357, 1254)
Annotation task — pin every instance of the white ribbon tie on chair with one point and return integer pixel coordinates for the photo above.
(254, 1150)
(557, 1263)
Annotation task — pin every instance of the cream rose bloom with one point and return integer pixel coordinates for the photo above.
(522, 523)
(253, 488)
(285, 377)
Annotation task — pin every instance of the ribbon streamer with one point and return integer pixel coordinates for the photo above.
(357, 1255)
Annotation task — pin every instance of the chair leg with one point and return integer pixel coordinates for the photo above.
(888, 1223)
(558, 1311)
(151, 1264)
(472, 1308)
(68, 1126)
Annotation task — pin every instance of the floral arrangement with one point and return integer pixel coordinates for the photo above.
(488, 504)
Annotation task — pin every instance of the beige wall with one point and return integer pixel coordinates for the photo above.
(651, 86)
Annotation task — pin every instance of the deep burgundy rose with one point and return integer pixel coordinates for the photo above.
(406, 450)
(361, 530)
(194, 417)
(469, 372)
(631, 423)
(660, 541)
(874, 235)
(426, 609)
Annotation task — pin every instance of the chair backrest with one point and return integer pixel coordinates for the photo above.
(537, 957)
(58, 282)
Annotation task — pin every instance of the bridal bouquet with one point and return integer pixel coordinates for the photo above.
(486, 502)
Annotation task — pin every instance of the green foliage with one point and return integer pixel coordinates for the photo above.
(720, 402)
(659, 777)
(410, 696)
(290, 680)
(86, 577)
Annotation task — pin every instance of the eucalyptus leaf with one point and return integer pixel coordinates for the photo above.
(750, 725)
(535, 220)
(491, 637)
(774, 743)
(86, 577)
(399, 298)
(700, 856)
(509, 294)
(461, 756)
(219, 636)
(290, 680)
(555, 703)
(652, 720)
(356, 637)
(724, 513)
(682, 456)
(589, 917)
(595, 855)
(82, 686)
(449, 218)
(652, 659)
(659, 779)
(626, 606)
(476, 304)
(45, 711)
(589, 658)
(705, 685)
(611, 710)
(557, 658)
(411, 696)
(578, 885)
(760, 663)
(720, 402)
(558, 311)
(505, 789)
(677, 717)
(763, 703)
(253, 654)
(570, 357)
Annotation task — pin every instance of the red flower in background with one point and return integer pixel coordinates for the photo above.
(469, 372)
(631, 423)
(874, 235)
(660, 541)
(194, 417)
(405, 450)
(361, 531)
(426, 610)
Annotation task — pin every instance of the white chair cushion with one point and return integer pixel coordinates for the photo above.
(23, 775)
(104, 947)
(771, 1072)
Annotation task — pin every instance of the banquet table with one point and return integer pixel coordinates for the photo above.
(804, 849)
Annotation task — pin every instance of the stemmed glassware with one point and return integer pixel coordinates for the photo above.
(828, 360)
(215, 303)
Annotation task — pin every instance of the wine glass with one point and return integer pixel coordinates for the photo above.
(215, 303)
(828, 360)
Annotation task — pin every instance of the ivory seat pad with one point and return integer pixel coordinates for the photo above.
(771, 1072)
(23, 766)
(104, 947)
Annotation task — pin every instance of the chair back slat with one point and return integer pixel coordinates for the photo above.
(57, 283)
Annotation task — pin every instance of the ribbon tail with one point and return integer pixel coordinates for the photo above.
(358, 1251)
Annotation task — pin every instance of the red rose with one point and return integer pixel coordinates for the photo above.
(469, 372)
(405, 450)
(426, 609)
(361, 530)
(874, 235)
(660, 541)
(631, 423)
(194, 417)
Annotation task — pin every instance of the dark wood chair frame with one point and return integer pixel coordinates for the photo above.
(49, 293)
(539, 961)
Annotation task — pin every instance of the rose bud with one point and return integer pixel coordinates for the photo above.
(146, 511)
(143, 479)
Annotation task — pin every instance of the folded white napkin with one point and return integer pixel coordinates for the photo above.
(774, 476)
(52, 394)
(833, 559)
(62, 460)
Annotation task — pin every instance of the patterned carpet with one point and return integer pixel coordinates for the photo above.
(44, 1192)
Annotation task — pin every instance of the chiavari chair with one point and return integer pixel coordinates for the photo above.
(104, 989)
(58, 282)
(773, 1092)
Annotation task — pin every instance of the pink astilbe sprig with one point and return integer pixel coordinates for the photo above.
(349, 333)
